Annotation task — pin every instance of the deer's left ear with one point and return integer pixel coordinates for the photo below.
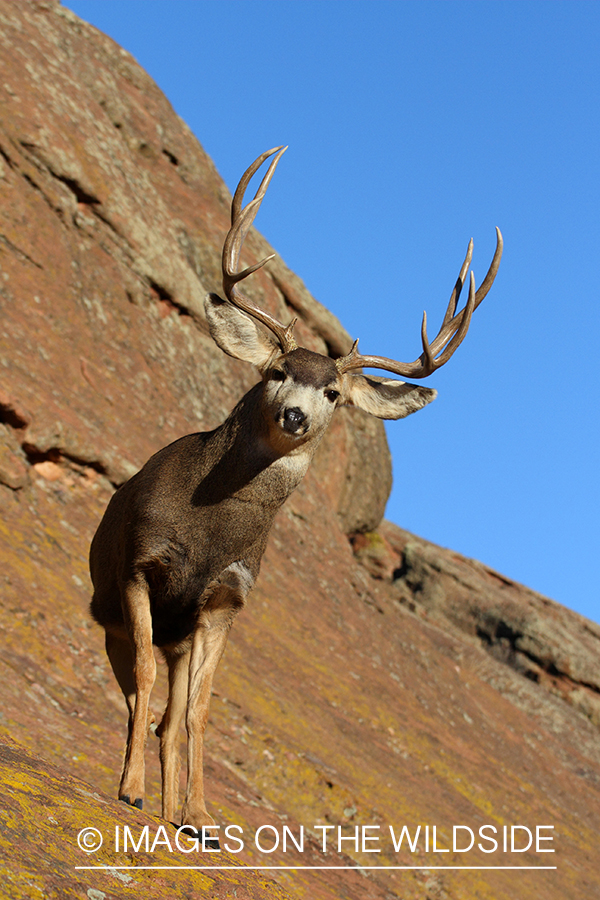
(385, 398)
(237, 334)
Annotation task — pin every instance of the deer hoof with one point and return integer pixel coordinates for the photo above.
(138, 802)
(210, 843)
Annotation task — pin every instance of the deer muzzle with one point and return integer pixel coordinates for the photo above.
(294, 420)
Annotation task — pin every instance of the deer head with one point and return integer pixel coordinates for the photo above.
(303, 388)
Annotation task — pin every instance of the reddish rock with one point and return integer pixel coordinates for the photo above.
(14, 471)
(376, 554)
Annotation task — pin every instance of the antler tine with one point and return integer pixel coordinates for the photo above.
(451, 334)
(238, 197)
(458, 336)
(453, 303)
(449, 327)
(241, 220)
(492, 271)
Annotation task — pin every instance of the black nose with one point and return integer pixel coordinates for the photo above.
(293, 418)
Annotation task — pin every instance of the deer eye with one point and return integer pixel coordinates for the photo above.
(277, 375)
(332, 395)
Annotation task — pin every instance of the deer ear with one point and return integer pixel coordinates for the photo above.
(385, 398)
(237, 334)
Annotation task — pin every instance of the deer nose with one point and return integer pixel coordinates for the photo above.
(293, 419)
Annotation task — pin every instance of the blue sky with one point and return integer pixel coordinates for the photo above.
(412, 127)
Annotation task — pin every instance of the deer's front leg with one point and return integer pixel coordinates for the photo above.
(138, 621)
(168, 731)
(208, 645)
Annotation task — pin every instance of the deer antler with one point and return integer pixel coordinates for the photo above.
(241, 220)
(451, 334)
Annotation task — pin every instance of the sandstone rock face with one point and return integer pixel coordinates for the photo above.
(373, 683)
(545, 642)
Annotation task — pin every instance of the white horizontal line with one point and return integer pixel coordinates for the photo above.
(295, 868)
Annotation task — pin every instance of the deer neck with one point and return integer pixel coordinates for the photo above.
(264, 464)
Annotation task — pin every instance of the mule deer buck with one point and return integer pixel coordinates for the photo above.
(180, 544)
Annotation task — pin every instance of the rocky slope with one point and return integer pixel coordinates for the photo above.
(373, 680)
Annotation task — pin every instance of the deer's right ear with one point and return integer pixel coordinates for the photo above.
(237, 334)
(385, 398)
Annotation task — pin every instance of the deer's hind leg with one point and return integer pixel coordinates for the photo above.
(132, 660)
